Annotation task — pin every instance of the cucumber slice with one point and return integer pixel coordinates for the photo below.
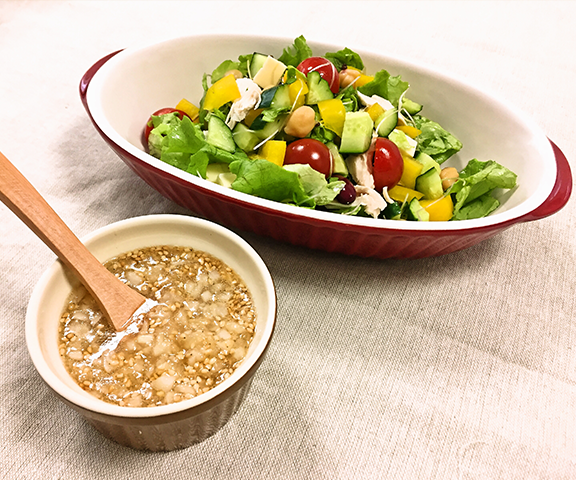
(318, 89)
(386, 122)
(270, 128)
(276, 97)
(266, 97)
(416, 212)
(393, 211)
(430, 184)
(338, 163)
(219, 135)
(357, 132)
(257, 63)
(410, 106)
(427, 162)
(282, 97)
(245, 138)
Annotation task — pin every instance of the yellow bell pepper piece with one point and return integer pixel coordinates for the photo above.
(375, 110)
(412, 169)
(363, 80)
(402, 194)
(251, 116)
(409, 130)
(188, 108)
(333, 114)
(274, 151)
(223, 91)
(297, 91)
(440, 210)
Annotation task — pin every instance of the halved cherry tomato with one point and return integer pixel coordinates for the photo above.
(311, 152)
(162, 111)
(325, 68)
(388, 164)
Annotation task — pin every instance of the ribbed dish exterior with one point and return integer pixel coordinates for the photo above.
(311, 233)
(158, 434)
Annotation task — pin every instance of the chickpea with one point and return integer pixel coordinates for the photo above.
(237, 73)
(348, 76)
(449, 175)
(301, 122)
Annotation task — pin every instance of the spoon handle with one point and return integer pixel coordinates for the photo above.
(115, 298)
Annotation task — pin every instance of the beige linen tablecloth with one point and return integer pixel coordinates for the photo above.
(457, 367)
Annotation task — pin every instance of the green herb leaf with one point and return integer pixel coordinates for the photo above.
(434, 140)
(297, 53)
(473, 190)
(385, 86)
(221, 69)
(345, 57)
(267, 180)
(319, 191)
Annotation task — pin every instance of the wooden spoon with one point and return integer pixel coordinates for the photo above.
(117, 300)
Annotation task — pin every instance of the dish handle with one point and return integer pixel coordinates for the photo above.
(87, 77)
(560, 192)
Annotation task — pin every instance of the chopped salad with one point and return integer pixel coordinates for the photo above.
(321, 133)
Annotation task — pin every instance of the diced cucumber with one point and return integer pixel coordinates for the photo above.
(245, 138)
(258, 123)
(215, 169)
(270, 128)
(219, 135)
(338, 163)
(266, 97)
(415, 211)
(430, 184)
(318, 89)
(282, 97)
(276, 97)
(386, 122)
(410, 106)
(393, 211)
(357, 132)
(256, 63)
(427, 162)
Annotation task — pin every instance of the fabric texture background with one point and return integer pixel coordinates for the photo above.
(459, 367)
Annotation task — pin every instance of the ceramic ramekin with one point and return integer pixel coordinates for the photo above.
(166, 427)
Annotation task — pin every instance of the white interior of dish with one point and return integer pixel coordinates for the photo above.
(136, 82)
(50, 294)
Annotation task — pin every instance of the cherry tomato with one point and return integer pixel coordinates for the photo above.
(162, 111)
(325, 68)
(311, 152)
(388, 164)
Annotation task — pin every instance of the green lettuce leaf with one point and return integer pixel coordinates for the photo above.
(475, 185)
(265, 179)
(224, 67)
(434, 140)
(478, 208)
(349, 98)
(345, 57)
(244, 62)
(319, 191)
(182, 144)
(293, 55)
(385, 86)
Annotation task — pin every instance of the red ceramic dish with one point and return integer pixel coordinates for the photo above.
(119, 93)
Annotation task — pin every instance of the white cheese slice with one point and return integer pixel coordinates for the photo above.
(270, 73)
